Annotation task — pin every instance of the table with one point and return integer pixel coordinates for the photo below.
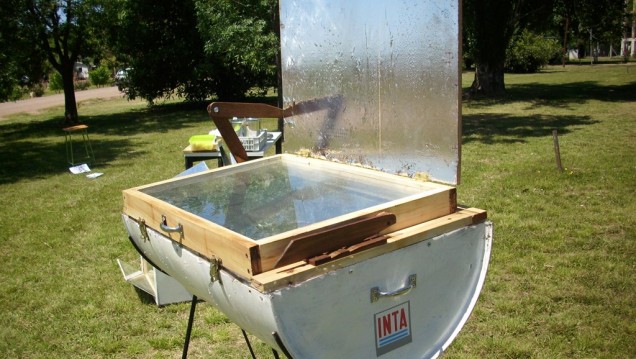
(192, 156)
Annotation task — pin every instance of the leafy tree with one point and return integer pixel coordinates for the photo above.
(242, 39)
(18, 57)
(64, 30)
(490, 26)
(580, 19)
(160, 43)
(198, 48)
(55, 82)
(100, 76)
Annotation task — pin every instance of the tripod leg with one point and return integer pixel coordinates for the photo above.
(247, 340)
(186, 344)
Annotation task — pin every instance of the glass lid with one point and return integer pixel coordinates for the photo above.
(262, 201)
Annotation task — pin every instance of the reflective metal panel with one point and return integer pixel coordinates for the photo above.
(374, 82)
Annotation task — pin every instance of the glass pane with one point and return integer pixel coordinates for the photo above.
(267, 200)
(379, 80)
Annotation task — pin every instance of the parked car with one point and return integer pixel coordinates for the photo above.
(121, 75)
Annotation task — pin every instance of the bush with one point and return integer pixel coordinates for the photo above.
(100, 76)
(529, 52)
(81, 85)
(37, 90)
(55, 82)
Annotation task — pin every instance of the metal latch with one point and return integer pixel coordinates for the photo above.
(143, 228)
(215, 266)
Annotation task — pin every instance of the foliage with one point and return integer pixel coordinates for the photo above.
(37, 89)
(529, 52)
(63, 31)
(163, 48)
(55, 82)
(575, 19)
(207, 47)
(100, 76)
(489, 27)
(81, 85)
(243, 40)
(18, 56)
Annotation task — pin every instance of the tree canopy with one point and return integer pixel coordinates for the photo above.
(64, 31)
(18, 58)
(198, 48)
(490, 25)
(201, 48)
(242, 38)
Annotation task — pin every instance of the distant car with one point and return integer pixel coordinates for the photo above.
(121, 75)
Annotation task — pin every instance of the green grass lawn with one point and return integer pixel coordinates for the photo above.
(563, 267)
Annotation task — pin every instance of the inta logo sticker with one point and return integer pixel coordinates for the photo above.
(392, 328)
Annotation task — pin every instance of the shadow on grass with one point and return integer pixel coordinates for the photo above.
(564, 95)
(494, 129)
(30, 159)
(36, 149)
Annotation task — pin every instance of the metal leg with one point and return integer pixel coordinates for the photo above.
(88, 147)
(249, 346)
(186, 344)
(69, 150)
(281, 345)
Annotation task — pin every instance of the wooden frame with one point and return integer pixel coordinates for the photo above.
(247, 257)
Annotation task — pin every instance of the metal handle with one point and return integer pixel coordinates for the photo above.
(376, 293)
(164, 226)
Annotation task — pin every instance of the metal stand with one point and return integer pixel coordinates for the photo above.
(68, 139)
(186, 343)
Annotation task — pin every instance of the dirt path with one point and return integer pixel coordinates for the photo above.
(36, 104)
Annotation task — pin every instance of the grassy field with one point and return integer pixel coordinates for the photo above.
(563, 269)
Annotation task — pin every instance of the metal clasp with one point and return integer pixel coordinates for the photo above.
(215, 266)
(376, 293)
(143, 228)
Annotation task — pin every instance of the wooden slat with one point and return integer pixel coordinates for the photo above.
(330, 238)
(346, 251)
(301, 271)
(409, 212)
(231, 138)
(243, 109)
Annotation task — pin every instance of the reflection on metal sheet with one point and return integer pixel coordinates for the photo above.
(380, 82)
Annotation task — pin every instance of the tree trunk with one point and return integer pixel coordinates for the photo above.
(565, 41)
(634, 30)
(70, 105)
(489, 79)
